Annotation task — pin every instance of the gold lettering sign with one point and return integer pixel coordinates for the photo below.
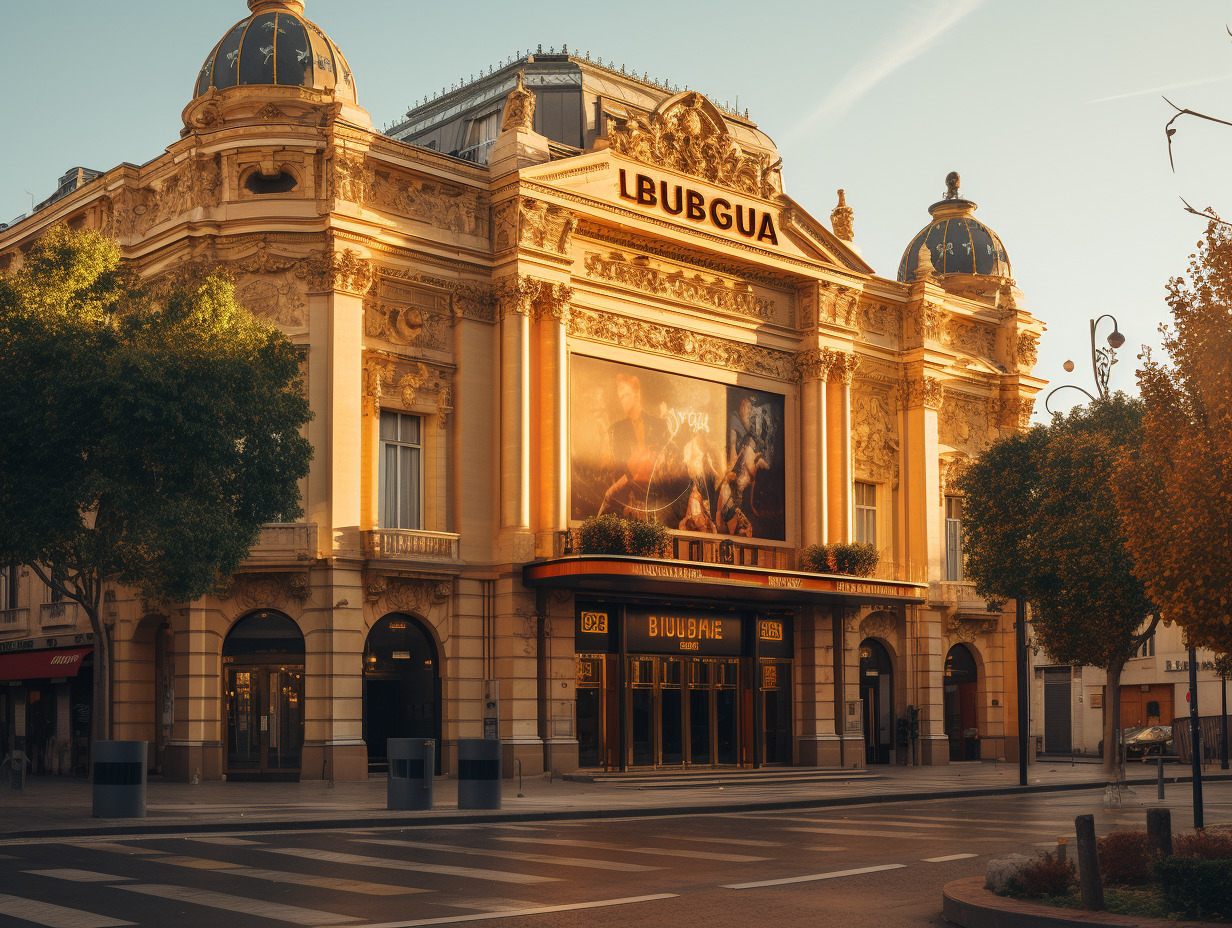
(595, 622)
(769, 630)
(769, 675)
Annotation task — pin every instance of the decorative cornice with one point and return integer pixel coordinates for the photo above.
(717, 293)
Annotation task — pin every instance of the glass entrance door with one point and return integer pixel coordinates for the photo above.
(265, 721)
(682, 712)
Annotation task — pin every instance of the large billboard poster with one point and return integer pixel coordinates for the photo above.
(686, 453)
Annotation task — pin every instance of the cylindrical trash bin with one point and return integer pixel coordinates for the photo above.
(412, 762)
(119, 779)
(479, 773)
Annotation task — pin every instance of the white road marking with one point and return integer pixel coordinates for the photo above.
(213, 900)
(814, 876)
(941, 860)
(511, 855)
(225, 840)
(861, 833)
(300, 879)
(55, 916)
(722, 841)
(518, 913)
(80, 876)
(483, 904)
(499, 876)
(669, 852)
(115, 848)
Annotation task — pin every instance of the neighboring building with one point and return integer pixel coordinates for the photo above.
(1068, 703)
(626, 314)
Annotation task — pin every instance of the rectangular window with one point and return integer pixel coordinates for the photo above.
(953, 538)
(401, 471)
(1147, 649)
(866, 513)
(8, 585)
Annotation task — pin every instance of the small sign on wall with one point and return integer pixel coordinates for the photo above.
(1097, 697)
(852, 720)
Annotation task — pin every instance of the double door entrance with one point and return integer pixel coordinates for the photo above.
(265, 721)
(683, 711)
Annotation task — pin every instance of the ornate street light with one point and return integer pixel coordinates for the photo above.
(1102, 360)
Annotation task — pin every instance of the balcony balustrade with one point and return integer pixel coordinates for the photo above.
(397, 544)
(59, 615)
(14, 620)
(959, 596)
(284, 543)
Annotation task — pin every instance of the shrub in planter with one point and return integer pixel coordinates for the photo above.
(1198, 887)
(1207, 845)
(1046, 876)
(858, 558)
(646, 539)
(816, 559)
(1124, 858)
(604, 535)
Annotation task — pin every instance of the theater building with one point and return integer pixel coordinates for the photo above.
(556, 292)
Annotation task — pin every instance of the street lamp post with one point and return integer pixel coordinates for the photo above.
(1195, 734)
(1102, 360)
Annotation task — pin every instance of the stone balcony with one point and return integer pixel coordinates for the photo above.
(63, 614)
(14, 621)
(283, 543)
(413, 548)
(958, 597)
(704, 549)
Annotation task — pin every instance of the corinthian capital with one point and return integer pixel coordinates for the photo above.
(517, 295)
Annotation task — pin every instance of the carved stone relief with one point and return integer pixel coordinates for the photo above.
(406, 315)
(469, 300)
(966, 422)
(350, 178)
(874, 434)
(951, 466)
(1028, 351)
(326, 271)
(923, 391)
(638, 273)
(879, 624)
(412, 380)
(878, 319)
(838, 304)
(443, 205)
(135, 210)
(1014, 410)
(270, 590)
(545, 226)
(681, 343)
(406, 594)
(691, 136)
(970, 337)
(966, 628)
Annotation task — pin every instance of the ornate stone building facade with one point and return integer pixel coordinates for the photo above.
(628, 315)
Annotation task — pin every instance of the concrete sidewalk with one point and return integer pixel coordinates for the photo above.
(58, 806)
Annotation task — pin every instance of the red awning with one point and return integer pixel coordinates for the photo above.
(33, 665)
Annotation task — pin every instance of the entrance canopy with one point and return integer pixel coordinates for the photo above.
(34, 665)
(714, 581)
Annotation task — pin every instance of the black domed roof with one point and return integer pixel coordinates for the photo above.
(276, 45)
(958, 242)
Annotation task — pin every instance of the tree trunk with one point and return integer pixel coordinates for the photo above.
(100, 725)
(1113, 767)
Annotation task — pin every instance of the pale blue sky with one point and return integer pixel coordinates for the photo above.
(1050, 110)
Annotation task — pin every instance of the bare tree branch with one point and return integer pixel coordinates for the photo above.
(1169, 131)
(1207, 213)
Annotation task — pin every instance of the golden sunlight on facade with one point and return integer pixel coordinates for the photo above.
(556, 292)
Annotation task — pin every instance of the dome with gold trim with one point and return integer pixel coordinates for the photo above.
(957, 242)
(277, 46)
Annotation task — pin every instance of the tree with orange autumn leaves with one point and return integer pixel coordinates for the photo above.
(1174, 490)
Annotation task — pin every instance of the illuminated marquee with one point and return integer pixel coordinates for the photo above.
(678, 200)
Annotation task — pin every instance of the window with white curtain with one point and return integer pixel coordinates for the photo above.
(866, 512)
(401, 471)
(953, 538)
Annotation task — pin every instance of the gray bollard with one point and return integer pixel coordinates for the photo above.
(412, 762)
(1089, 882)
(1159, 784)
(1159, 830)
(119, 779)
(479, 773)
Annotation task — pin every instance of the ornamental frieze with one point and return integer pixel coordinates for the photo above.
(350, 178)
(406, 315)
(640, 335)
(878, 319)
(445, 206)
(838, 304)
(406, 594)
(874, 433)
(265, 590)
(690, 136)
(531, 223)
(408, 382)
(469, 300)
(977, 339)
(723, 294)
(135, 210)
(966, 422)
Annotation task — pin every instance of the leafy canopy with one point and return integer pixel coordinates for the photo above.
(1175, 490)
(1040, 523)
(148, 431)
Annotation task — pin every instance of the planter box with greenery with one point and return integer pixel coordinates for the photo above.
(613, 535)
(857, 559)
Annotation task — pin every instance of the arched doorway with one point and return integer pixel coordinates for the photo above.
(263, 663)
(402, 686)
(961, 679)
(877, 692)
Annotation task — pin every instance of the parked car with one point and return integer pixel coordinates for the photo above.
(1150, 741)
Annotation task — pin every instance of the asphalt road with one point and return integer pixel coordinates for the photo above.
(876, 865)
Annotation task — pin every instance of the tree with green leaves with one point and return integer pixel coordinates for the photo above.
(1041, 525)
(1175, 488)
(148, 431)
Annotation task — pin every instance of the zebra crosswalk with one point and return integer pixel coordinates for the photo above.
(400, 878)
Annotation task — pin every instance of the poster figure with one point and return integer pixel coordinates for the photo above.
(692, 455)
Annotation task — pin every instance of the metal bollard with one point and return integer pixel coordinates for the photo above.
(1159, 782)
(479, 773)
(119, 779)
(412, 762)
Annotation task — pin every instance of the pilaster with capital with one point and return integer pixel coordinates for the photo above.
(515, 298)
(839, 470)
(813, 367)
(922, 399)
(551, 453)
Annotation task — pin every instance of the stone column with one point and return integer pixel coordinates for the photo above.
(551, 460)
(838, 447)
(814, 368)
(515, 297)
(816, 705)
